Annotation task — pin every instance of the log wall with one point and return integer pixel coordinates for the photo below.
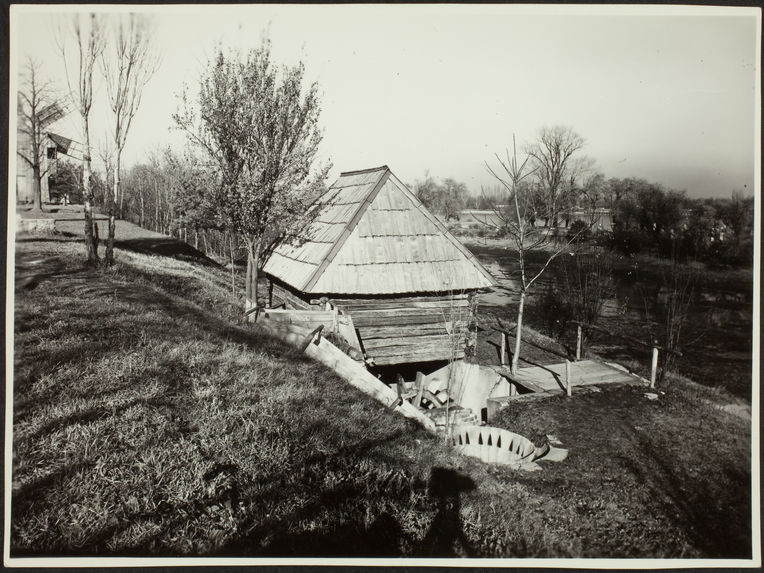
(397, 330)
(410, 329)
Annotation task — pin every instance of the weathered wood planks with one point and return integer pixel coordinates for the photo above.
(393, 330)
(551, 377)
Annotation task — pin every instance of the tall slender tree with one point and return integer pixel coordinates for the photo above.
(38, 107)
(517, 218)
(260, 124)
(85, 32)
(127, 65)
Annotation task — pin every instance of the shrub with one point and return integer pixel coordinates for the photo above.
(580, 230)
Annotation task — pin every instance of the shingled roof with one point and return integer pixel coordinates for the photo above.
(370, 235)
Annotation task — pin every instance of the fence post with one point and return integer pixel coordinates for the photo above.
(568, 389)
(579, 337)
(503, 348)
(654, 368)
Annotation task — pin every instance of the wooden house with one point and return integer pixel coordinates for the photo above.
(374, 252)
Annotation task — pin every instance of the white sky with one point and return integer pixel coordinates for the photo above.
(666, 94)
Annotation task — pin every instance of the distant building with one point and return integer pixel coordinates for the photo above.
(601, 218)
(53, 145)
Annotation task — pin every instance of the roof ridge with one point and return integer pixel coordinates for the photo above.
(359, 171)
(351, 225)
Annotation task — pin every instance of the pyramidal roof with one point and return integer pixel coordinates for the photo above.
(370, 235)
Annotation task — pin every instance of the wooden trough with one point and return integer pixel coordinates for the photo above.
(322, 350)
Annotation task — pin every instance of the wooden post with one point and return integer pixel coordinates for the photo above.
(399, 387)
(420, 389)
(579, 337)
(503, 348)
(568, 390)
(654, 368)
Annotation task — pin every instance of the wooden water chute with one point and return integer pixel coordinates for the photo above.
(375, 253)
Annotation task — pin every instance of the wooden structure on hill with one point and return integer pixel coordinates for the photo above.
(374, 252)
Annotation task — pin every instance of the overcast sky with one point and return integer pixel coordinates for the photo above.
(669, 96)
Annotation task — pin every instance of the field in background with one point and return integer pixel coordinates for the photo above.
(147, 422)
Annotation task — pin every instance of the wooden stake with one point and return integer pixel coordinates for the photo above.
(654, 368)
(420, 387)
(579, 336)
(503, 348)
(568, 389)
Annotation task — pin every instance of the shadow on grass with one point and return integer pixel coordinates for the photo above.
(383, 537)
(166, 247)
(700, 505)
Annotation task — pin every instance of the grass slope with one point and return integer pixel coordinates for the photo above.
(147, 423)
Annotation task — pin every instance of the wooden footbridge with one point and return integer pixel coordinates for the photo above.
(564, 376)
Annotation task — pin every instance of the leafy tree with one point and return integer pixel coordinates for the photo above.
(428, 192)
(259, 125)
(39, 107)
(737, 214)
(447, 198)
(453, 197)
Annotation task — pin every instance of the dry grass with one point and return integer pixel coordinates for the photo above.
(146, 422)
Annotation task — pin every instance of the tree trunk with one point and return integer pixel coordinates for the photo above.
(37, 195)
(156, 208)
(233, 270)
(254, 246)
(204, 240)
(143, 218)
(112, 202)
(518, 331)
(121, 210)
(91, 231)
(196, 239)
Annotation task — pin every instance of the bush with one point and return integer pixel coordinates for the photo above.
(580, 230)
(630, 241)
(602, 238)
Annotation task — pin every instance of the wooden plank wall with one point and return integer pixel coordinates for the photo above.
(409, 329)
(397, 330)
(281, 295)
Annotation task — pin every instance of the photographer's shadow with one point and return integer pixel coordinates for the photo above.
(446, 538)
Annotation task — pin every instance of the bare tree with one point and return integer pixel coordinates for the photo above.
(38, 107)
(86, 32)
(517, 219)
(555, 168)
(106, 154)
(126, 68)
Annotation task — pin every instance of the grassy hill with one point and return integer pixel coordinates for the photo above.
(148, 422)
